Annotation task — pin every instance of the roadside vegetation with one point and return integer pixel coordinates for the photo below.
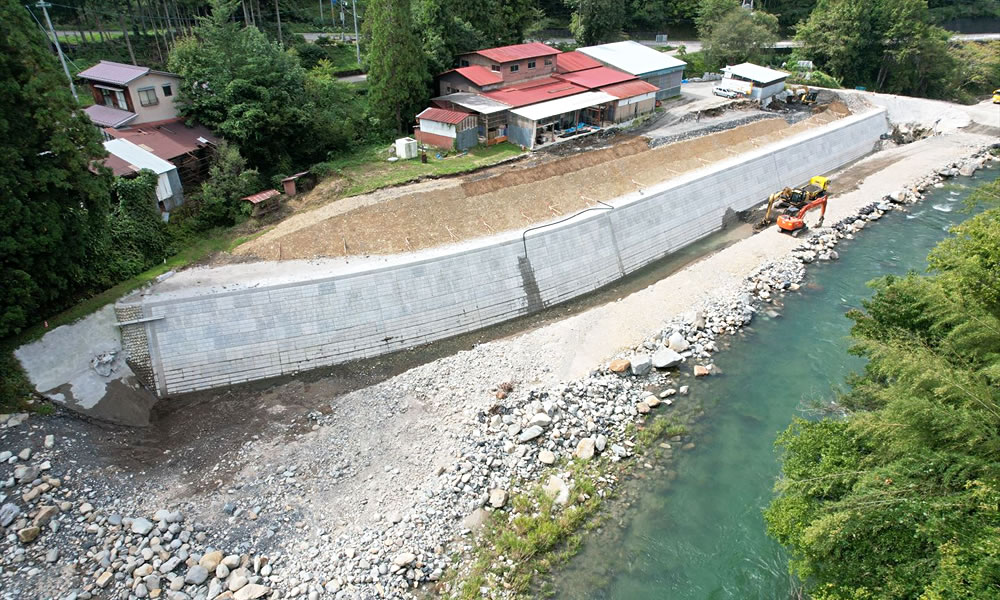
(900, 498)
(520, 545)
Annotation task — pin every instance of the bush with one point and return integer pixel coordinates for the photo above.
(229, 179)
(138, 235)
(815, 78)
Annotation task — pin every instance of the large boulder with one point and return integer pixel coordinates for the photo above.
(664, 358)
(556, 489)
(641, 364)
(585, 448)
(619, 366)
(677, 343)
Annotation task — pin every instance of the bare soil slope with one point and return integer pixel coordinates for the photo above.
(436, 213)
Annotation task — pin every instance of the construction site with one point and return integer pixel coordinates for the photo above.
(508, 197)
(325, 406)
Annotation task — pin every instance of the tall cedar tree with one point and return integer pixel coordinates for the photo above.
(397, 68)
(53, 209)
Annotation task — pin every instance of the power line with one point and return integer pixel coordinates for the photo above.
(45, 6)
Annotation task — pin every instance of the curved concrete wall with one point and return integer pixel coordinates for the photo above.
(226, 338)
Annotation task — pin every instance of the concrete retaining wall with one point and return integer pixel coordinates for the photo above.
(217, 340)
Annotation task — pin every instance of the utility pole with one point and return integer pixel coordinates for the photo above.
(357, 38)
(343, 28)
(72, 88)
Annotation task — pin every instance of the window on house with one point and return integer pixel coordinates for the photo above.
(147, 96)
(531, 64)
(114, 98)
(167, 90)
(514, 68)
(495, 68)
(548, 61)
(463, 63)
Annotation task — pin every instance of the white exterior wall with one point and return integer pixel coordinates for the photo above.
(635, 99)
(157, 112)
(222, 339)
(445, 129)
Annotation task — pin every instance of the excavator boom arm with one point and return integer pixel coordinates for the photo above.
(821, 201)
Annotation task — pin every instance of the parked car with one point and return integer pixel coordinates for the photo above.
(720, 91)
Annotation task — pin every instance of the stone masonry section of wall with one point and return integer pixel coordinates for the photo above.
(227, 338)
(135, 343)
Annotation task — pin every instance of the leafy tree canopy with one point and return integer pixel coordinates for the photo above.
(885, 45)
(901, 499)
(245, 87)
(738, 35)
(597, 21)
(451, 27)
(54, 207)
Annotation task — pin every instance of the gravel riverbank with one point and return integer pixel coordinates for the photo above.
(383, 490)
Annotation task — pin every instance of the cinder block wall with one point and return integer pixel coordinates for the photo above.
(227, 338)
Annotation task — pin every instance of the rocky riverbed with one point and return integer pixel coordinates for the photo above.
(327, 514)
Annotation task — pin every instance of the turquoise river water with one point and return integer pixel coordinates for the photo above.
(699, 532)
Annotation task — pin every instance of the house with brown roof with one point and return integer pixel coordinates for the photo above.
(189, 148)
(129, 94)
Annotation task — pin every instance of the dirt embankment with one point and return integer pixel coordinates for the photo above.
(437, 213)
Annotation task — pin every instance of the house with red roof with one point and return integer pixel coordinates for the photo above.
(129, 94)
(492, 68)
(533, 94)
(449, 129)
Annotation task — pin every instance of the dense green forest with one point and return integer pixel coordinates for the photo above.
(901, 499)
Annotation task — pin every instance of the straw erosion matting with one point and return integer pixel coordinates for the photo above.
(441, 214)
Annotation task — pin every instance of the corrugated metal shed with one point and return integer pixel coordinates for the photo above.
(539, 90)
(261, 196)
(474, 103)
(442, 115)
(630, 89)
(167, 139)
(112, 72)
(479, 75)
(755, 73)
(596, 77)
(137, 157)
(552, 108)
(568, 62)
(517, 52)
(108, 116)
(632, 57)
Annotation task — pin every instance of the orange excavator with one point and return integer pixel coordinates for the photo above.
(796, 203)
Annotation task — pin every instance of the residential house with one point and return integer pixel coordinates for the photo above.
(485, 70)
(129, 94)
(533, 94)
(764, 82)
(189, 148)
(652, 66)
(126, 159)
